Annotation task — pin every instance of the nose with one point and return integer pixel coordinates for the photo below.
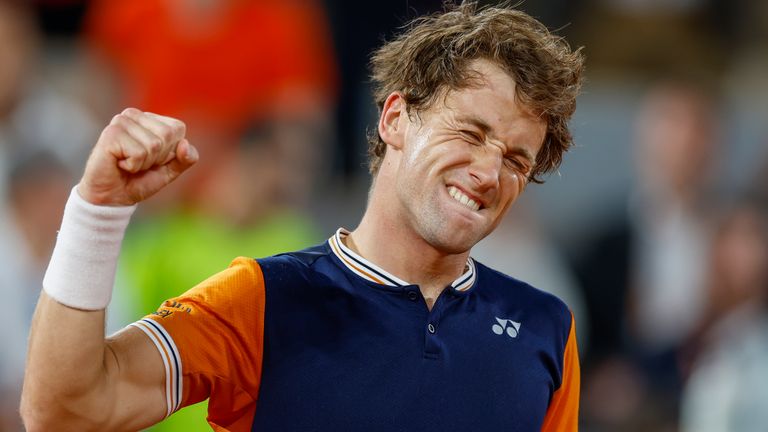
(486, 167)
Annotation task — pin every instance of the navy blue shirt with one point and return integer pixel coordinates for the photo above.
(346, 346)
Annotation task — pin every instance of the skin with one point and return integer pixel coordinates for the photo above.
(117, 383)
(479, 140)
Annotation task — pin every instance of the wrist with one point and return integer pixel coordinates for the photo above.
(82, 269)
(101, 195)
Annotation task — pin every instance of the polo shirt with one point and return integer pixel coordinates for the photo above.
(324, 340)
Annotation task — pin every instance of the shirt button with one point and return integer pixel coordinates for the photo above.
(413, 296)
(431, 328)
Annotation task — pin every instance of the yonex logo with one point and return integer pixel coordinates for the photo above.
(512, 327)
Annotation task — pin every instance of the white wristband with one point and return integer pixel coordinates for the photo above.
(83, 265)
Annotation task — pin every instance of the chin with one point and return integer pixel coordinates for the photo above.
(452, 242)
(447, 230)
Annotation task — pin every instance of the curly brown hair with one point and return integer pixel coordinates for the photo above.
(433, 56)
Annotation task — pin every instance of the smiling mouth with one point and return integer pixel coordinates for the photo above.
(459, 196)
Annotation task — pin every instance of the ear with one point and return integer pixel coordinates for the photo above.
(392, 120)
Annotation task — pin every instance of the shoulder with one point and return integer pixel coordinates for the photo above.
(300, 260)
(291, 268)
(507, 291)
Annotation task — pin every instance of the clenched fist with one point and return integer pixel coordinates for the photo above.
(138, 154)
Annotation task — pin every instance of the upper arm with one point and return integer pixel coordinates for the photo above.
(563, 412)
(207, 343)
(75, 380)
(136, 369)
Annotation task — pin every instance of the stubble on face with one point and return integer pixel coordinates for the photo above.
(436, 156)
(421, 186)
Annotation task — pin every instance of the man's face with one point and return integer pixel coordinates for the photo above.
(465, 160)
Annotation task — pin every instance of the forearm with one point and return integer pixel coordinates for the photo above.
(66, 380)
(75, 379)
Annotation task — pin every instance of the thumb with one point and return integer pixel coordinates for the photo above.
(186, 156)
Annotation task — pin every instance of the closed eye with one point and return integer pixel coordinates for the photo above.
(514, 162)
(472, 137)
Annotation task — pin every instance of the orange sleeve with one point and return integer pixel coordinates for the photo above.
(211, 341)
(563, 412)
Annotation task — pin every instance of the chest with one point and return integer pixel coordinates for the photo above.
(338, 358)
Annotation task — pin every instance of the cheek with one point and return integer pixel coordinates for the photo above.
(417, 145)
(513, 185)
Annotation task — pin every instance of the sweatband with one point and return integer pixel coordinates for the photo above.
(82, 269)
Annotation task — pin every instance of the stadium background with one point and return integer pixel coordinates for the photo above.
(654, 230)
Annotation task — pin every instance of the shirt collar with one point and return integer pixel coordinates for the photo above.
(370, 271)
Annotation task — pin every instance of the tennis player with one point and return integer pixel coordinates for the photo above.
(391, 326)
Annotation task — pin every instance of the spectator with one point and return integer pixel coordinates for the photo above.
(31, 112)
(726, 390)
(28, 232)
(643, 276)
(220, 66)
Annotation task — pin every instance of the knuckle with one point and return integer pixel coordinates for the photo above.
(119, 119)
(180, 127)
(166, 133)
(154, 145)
(112, 130)
(131, 112)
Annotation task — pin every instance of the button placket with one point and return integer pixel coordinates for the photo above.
(433, 344)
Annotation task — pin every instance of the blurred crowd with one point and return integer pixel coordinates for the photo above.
(655, 231)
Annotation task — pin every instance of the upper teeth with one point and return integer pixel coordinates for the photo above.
(460, 197)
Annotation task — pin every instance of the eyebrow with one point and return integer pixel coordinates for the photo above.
(486, 128)
(474, 121)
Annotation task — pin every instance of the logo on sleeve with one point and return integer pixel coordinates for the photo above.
(512, 328)
(169, 307)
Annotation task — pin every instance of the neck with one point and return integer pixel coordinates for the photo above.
(385, 240)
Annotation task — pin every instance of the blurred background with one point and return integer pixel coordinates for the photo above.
(654, 230)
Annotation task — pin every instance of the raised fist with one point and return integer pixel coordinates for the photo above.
(138, 154)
